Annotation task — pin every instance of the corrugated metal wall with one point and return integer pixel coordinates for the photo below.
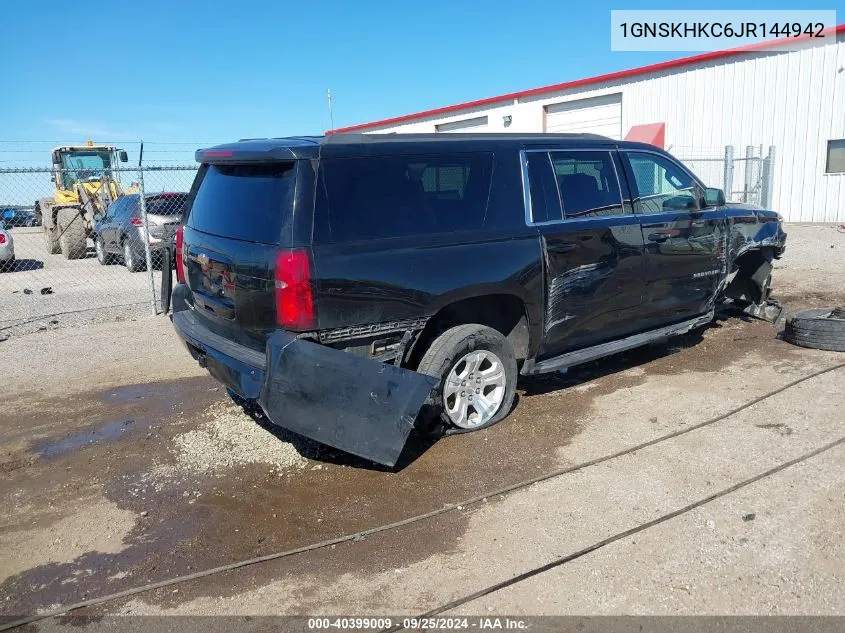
(794, 100)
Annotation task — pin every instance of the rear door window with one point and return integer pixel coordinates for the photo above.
(244, 202)
(375, 197)
(588, 183)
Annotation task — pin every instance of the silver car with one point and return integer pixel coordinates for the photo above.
(120, 233)
(7, 249)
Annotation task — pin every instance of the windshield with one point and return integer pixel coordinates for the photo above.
(82, 165)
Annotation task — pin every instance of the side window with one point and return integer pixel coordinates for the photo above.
(114, 209)
(587, 183)
(661, 185)
(545, 203)
(392, 196)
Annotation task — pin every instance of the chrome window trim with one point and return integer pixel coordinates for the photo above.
(526, 185)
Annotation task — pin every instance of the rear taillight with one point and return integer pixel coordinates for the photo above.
(136, 222)
(294, 301)
(180, 262)
(2, 239)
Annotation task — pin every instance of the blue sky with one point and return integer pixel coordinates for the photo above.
(205, 72)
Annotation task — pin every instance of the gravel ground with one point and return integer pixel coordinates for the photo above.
(81, 291)
(814, 261)
(230, 438)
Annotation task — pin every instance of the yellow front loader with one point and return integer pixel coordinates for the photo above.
(86, 185)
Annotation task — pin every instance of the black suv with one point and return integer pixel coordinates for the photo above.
(351, 284)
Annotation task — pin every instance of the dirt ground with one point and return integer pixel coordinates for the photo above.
(122, 463)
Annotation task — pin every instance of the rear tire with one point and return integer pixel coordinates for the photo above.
(133, 261)
(72, 237)
(103, 257)
(477, 372)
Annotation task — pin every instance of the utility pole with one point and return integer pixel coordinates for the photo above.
(331, 114)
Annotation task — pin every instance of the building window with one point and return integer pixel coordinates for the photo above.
(835, 157)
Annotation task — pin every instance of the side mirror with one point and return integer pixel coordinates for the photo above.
(123, 156)
(714, 197)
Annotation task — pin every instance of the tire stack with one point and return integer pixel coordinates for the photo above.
(820, 328)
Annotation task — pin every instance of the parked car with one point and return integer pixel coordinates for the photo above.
(351, 286)
(120, 232)
(7, 248)
(13, 217)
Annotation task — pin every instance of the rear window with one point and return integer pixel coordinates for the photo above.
(394, 196)
(244, 202)
(171, 205)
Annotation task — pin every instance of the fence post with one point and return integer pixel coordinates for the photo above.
(749, 173)
(768, 179)
(728, 185)
(147, 253)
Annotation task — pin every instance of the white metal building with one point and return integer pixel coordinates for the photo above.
(756, 96)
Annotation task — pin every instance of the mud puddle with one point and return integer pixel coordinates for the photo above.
(102, 433)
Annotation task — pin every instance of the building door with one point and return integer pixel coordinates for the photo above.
(597, 115)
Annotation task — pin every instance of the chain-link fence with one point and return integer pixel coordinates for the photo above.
(82, 245)
(744, 178)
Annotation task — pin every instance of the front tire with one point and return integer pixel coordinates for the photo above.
(72, 237)
(477, 372)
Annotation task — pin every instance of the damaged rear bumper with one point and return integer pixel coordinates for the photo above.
(352, 403)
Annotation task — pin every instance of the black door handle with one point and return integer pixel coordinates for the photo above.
(658, 237)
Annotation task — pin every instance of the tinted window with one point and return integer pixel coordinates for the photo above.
(132, 207)
(661, 185)
(587, 183)
(545, 204)
(127, 205)
(244, 202)
(389, 196)
(167, 204)
(114, 208)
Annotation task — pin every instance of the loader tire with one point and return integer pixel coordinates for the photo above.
(51, 237)
(820, 328)
(72, 237)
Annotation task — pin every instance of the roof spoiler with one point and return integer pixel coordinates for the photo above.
(243, 154)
